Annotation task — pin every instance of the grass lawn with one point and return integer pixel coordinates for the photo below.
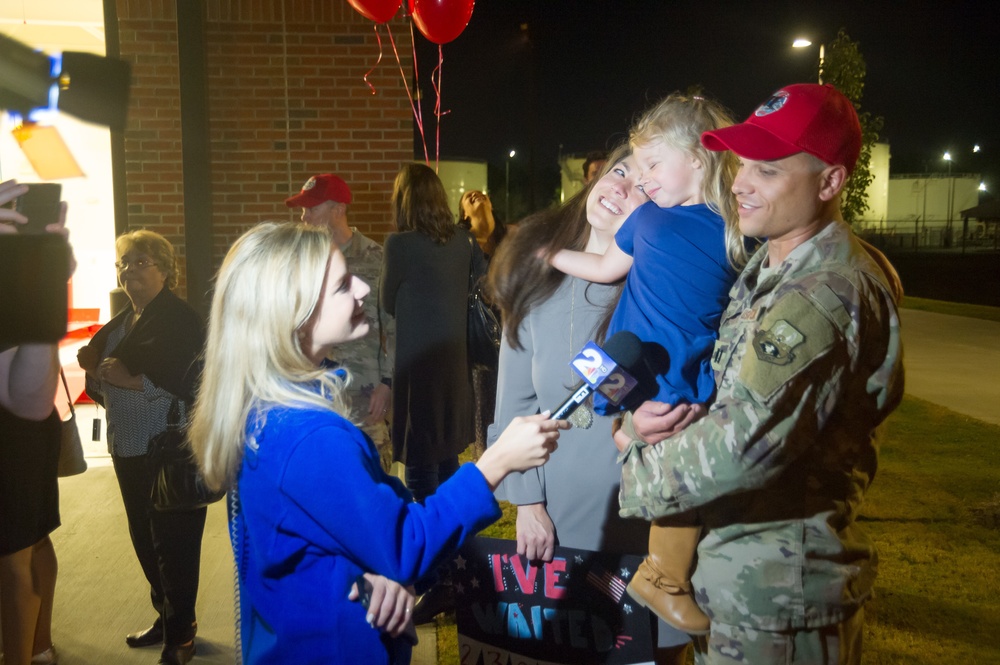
(934, 512)
(958, 309)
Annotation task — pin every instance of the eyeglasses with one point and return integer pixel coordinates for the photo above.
(138, 264)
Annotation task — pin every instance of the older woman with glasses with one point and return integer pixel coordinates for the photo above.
(137, 365)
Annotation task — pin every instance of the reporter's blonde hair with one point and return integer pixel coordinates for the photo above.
(266, 291)
(679, 120)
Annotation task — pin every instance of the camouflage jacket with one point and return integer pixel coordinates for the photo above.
(808, 363)
(369, 359)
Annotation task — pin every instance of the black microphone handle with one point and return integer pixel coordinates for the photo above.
(574, 400)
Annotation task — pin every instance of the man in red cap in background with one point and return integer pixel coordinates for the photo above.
(807, 365)
(324, 199)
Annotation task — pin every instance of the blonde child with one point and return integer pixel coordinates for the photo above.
(679, 255)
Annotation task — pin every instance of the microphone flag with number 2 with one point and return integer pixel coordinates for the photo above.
(606, 370)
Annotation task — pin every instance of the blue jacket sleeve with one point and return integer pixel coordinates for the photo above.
(332, 478)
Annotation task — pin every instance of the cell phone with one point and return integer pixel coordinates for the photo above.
(364, 591)
(33, 299)
(365, 598)
(40, 205)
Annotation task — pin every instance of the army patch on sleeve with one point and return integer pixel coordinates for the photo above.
(792, 334)
(777, 345)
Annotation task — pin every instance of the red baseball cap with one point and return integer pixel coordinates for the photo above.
(319, 188)
(805, 117)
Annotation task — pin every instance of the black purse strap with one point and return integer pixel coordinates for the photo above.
(472, 264)
(69, 399)
(476, 272)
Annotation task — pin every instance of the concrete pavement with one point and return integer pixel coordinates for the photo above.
(953, 361)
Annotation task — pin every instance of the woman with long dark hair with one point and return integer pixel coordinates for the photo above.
(548, 316)
(425, 285)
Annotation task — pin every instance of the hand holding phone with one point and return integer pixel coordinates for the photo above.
(364, 596)
(34, 265)
(40, 205)
(33, 274)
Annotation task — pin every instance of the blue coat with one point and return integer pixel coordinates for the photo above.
(314, 511)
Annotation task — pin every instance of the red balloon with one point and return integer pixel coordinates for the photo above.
(442, 20)
(379, 11)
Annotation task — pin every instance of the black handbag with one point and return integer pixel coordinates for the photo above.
(177, 481)
(483, 336)
(71, 459)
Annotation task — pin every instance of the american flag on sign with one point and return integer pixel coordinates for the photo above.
(610, 585)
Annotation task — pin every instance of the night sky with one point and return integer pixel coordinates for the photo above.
(588, 67)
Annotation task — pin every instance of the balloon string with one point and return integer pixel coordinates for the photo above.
(413, 107)
(379, 39)
(416, 73)
(437, 106)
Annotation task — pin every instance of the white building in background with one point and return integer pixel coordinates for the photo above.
(878, 189)
(929, 206)
(460, 177)
(570, 176)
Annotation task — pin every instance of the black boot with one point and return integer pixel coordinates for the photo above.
(146, 638)
(177, 655)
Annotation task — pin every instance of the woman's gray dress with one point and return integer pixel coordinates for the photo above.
(579, 483)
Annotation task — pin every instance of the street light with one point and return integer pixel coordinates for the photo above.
(951, 193)
(802, 42)
(506, 187)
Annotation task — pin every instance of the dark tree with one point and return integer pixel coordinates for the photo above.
(844, 68)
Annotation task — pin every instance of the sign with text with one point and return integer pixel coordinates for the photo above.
(573, 609)
(601, 371)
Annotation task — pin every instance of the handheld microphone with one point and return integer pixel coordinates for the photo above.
(623, 350)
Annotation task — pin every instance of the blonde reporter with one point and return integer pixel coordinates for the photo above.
(312, 508)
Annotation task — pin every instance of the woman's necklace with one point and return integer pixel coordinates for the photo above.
(582, 417)
(132, 320)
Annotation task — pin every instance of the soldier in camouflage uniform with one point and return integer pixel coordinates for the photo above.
(808, 364)
(324, 199)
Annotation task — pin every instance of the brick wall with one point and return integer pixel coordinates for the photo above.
(148, 34)
(286, 98)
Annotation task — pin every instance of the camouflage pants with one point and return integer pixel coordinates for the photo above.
(839, 644)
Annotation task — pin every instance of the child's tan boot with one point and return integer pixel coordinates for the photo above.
(662, 582)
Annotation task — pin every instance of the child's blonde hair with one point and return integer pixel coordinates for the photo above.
(679, 120)
(265, 295)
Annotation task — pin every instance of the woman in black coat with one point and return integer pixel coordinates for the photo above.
(425, 285)
(137, 365)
